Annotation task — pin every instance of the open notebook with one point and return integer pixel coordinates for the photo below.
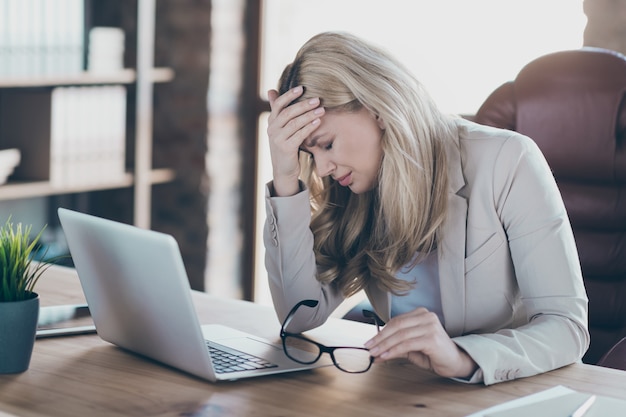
(139, 297)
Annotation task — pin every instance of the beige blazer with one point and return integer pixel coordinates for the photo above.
(511, 286)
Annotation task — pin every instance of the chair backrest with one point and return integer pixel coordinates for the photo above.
(573, 104)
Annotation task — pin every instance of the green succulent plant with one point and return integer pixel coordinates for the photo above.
(18, 272)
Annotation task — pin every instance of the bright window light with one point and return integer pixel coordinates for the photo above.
(461, 50)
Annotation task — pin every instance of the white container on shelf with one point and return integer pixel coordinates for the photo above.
(9, 159)
(106, 50)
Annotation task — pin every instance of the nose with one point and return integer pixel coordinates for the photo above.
(324, 166)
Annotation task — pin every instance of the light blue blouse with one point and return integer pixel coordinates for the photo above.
(425, 292)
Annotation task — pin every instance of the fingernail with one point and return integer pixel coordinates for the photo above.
(313, 101)
(297, 90)
(316, 121)
(318, 111)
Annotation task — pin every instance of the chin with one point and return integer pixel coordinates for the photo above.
(359, 190)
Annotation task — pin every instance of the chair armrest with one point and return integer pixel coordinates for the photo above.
(616, 357)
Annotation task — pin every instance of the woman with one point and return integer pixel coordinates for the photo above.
(456, 231)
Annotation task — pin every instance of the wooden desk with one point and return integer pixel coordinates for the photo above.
(85, 376)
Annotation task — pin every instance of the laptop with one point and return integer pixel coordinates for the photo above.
(139, 297)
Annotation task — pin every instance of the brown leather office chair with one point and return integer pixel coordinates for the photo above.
(573, 104)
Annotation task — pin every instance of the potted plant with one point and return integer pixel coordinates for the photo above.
(19, 303)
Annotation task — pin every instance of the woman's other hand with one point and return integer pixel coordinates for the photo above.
(287, 128)
(420, 337)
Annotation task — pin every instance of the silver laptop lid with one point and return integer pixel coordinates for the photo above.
(137, 289)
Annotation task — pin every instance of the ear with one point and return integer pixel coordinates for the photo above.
(380, 122)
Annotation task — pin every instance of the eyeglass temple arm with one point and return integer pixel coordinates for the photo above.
(292, 312)
(371, 315)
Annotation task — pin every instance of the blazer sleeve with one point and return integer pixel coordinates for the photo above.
(546, 268)
(290, 261)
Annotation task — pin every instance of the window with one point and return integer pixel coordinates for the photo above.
(461, 50)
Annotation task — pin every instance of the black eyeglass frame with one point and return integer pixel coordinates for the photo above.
(323, 348)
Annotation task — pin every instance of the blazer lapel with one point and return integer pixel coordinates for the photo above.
(451, 250)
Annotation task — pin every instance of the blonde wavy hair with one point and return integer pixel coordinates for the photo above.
(362, 240)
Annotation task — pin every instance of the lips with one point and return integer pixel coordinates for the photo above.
(345, 180)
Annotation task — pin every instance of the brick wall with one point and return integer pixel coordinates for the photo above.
(180, 128)
(182, 32)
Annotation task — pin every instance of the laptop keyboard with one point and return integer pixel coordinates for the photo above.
(226, 359)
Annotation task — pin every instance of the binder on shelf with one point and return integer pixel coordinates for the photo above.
(4, 38)
(41, 37)
(69, 136)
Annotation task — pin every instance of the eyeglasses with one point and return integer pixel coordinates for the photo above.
(303, 350)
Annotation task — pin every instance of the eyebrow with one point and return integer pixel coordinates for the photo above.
(312, 142)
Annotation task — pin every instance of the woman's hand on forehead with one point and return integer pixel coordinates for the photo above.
(288, 127)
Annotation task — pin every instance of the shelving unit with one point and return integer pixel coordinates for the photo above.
(126, 76)
(142, 176)
(29, 189)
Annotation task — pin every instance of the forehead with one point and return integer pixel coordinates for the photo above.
(335, 122)
(328, 125)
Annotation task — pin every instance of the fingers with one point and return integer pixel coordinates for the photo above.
(299, 121)
(278, 102)
(291, 124)
(417, 331)
(301, 115)
(419, 337)
(272, 95)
